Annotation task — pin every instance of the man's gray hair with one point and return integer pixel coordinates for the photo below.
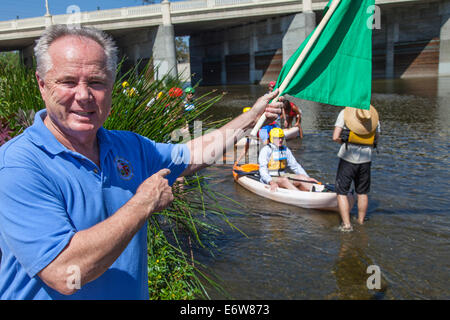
(54, 32)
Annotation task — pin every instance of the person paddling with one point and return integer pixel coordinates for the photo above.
(274, 158)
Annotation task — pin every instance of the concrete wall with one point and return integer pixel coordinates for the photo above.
(444, 36)
(408, 43)
(412, 41)
(250, 53)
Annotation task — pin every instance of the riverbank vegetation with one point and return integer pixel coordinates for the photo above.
(152, 108)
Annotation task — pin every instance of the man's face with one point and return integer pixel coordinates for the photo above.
(77, 89)
(189, 96)
(278, 141)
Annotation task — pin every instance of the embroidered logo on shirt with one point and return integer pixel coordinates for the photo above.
(124, 168)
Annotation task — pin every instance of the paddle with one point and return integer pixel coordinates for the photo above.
(255, 173)
(298, 62)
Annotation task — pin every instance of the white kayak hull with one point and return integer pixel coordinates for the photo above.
(290, 133)
(303, 199)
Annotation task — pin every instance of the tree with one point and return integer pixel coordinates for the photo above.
(182, 49)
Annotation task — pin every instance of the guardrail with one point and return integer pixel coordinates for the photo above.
(152, 11)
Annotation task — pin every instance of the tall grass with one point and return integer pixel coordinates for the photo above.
(147, 108)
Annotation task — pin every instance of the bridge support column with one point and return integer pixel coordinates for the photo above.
(27, 56)
(300, 27)
(392, 34)
(164, 54)
(223, 65)
(253, 47)
(444, 51)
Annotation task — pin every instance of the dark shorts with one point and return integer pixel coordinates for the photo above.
(348, 172)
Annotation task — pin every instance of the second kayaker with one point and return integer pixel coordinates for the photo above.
(275, 158)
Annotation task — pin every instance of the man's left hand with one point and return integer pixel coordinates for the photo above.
(272, 109)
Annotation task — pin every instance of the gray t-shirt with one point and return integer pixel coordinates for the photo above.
(351, 152)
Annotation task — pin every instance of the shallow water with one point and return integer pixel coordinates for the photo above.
(295, 253)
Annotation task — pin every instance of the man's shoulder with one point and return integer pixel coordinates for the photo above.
(126, 138)
(19, 151)
(340, 120)
(266, 148)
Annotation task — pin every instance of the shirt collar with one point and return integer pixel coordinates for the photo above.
(41, 136)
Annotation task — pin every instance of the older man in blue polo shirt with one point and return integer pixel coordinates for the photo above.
(74, 197)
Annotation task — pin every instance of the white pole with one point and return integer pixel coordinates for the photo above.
(46, 8)
(299, 61)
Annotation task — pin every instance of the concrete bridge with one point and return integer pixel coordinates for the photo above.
(247, 41)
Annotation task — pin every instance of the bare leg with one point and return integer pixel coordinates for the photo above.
(363, 204)
(285, 183)
(300, 130)
(344, 209)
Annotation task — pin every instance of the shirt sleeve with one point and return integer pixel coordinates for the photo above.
(175, 157)
(340, 120)
(263, 161)
(293, 164)
(34, 223)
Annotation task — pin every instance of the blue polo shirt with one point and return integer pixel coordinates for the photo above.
(48, 193)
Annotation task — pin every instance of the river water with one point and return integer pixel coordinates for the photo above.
(294, 253)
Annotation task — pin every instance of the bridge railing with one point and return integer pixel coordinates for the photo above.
(150, 11)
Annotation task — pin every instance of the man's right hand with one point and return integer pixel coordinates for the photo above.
(273, 186)
(154, 193)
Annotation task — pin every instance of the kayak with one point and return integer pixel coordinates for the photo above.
(303, 199)
(290, 133)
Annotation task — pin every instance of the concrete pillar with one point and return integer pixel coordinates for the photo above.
(253, 47)
(196, 53)
(225, 52)
(300, 27)
(164, 52)
(444, 51)
(392, 35)
(27, 56)
(307, 5)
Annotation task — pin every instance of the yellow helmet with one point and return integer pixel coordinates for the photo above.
(276, 133)
(246, 109)
(125, 84)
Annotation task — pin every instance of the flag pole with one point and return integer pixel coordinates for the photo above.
(299, 61)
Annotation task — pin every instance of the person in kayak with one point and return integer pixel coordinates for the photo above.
(274, 158)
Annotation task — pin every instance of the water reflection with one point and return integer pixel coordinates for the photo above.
(351, 268)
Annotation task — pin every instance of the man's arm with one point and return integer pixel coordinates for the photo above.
(263, 161)
(95, 249)
(294, 165)
(337, 135)
(206, 149)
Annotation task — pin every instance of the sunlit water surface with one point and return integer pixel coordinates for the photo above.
(295, 253)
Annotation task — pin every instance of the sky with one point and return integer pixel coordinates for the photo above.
(10, 9)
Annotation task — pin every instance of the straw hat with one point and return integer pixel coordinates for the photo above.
(360, 121)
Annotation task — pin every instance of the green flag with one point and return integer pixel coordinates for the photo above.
(338, 68)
